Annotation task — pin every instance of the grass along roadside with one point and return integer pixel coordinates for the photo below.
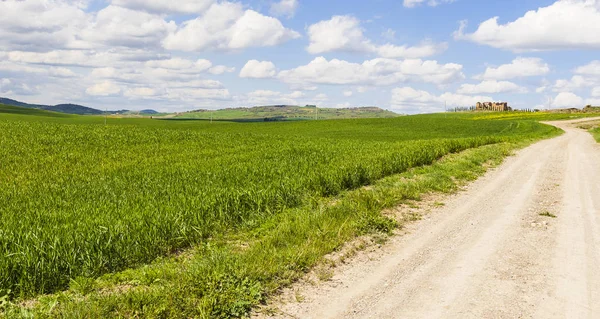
(596, 134)
(229, 274)
(595, 130)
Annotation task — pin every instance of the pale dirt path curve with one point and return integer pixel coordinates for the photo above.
(488, 253)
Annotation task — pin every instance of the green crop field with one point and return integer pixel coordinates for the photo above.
(81, 200)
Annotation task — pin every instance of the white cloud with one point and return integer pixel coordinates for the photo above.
(297, 94)
(166, 6)
(258, 69)
(567, 99)
(348, 93)
(20, 69)
(592, 68)
(378, 72)
(410, 100)
(345, 34)
(565, 24)
(491, 86)
(424, 49)
(141, 92)
(200, 65)
(85, 58)
(596, 92)
(39, 24)
(575, 83)
(519, 67)
(593, 102)
(284, 8)
(105, 88)
(321, 97)
(541, 89)
(431, 3)
(389, 34)
(226, 26)
(340, 33)
(220, 69)
(117, 26)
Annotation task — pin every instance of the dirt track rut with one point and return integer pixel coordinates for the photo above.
(488, 253)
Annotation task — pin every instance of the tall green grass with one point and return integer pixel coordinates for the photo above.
(596, 134)
(80, 199)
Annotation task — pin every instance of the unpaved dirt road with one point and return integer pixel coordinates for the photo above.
(488, 253)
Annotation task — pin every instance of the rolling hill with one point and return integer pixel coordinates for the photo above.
(287, 113)
(62, 108)
(70, 108)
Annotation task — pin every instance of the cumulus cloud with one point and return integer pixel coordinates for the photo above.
(376, 72)
(567, 99)
(565, 24)
(40, 24)
(592, 68)
(491, 86)
(104, 88)
(345, 34)
(431, 3)
(285, 8)
(519, 67)
(227, 26)
(586, 77)
(258, 69)
(166, 6)
(117, 26)
(410, 100)
(348, 93)
(340, 33)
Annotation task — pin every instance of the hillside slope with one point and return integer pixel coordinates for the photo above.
(288, 112)
(62, 108)
(10, 109)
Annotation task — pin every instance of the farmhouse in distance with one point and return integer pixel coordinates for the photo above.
(492, 106)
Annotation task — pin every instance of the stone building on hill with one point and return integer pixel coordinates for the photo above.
(492, 106)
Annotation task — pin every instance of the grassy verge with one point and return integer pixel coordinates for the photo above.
(230, 273)
(596, 134)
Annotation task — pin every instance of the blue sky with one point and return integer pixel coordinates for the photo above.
(409, 56)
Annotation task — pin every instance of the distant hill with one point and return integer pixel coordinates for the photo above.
(19, 110)
(69, 108)
(287, 113)
(62, 108)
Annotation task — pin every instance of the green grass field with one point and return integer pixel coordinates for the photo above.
(209, 218)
